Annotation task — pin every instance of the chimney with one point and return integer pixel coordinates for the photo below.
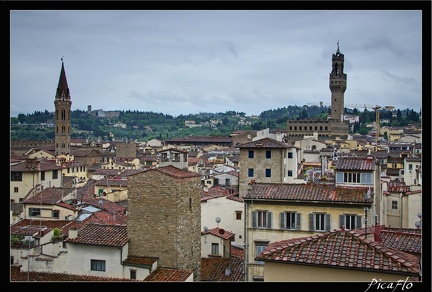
(377, 232)
(73, 232)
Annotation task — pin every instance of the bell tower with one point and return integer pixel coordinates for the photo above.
(62, 115)
(338, 83)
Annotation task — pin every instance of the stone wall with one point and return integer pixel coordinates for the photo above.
(164, 219)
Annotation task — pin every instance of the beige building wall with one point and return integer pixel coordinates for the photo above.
(226, 210)
(254, 235)
(278, 272)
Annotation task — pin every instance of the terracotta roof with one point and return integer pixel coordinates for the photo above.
(201, 139)
(265, 143)
(214, 192)
(140, 261)
(169, 275)
(102, 234)
(408, 240)
(175, 172)
(237, 252)
(41, 166)
(32, 226)
(49, 196)
(340, 248)
(306, 192)
(219, 232)
(16, 275)
(213, 269)
(355, 163)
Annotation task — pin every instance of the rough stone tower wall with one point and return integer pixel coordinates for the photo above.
(164, 219)
(126, 150)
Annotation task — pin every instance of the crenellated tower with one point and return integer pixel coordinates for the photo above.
(62, 115)
(338, 83)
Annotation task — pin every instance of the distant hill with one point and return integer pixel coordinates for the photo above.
(144, 126)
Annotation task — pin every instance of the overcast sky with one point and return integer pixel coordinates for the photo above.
(190, 61)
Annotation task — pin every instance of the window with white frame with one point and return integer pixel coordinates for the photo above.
(97, 265)
(261, 219)
(319, 222)
(350, 221)
(215, 248)
(394, 205)
(290, 220)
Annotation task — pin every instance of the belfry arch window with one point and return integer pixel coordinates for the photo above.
(337, 68)
(295, 128)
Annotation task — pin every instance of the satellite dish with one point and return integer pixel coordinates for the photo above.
(218, 220)
(205, 228)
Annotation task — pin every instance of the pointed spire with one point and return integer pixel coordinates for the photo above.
(62, 88)
(337, 52)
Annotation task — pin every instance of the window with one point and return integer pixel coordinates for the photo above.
(34, 212)
(259, 247)
(15, 189)
(410, 166)
(319, 222)
(268, 154)
(238, 215)
(55, 174)
(42, 175)
(227, 181)
(250, 172)
(56, 214)
(290, 220)
(261, 219)
(351, 177)
(16, 176)
(290, 155)
(215, 248)
(133, 274)
(289, 172)
(97, 265)
(251, 154)
(394, 205)
(268, 172)
(350, 221)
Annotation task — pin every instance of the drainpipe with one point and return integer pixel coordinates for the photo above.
(245, 263)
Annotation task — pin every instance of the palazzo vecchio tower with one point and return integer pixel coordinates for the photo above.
(334, 126)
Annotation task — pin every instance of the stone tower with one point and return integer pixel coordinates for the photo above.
(62, 116)
(338, 83)
(330, 128)
(164, 217)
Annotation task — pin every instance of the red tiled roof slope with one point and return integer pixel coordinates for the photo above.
(340, 249)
